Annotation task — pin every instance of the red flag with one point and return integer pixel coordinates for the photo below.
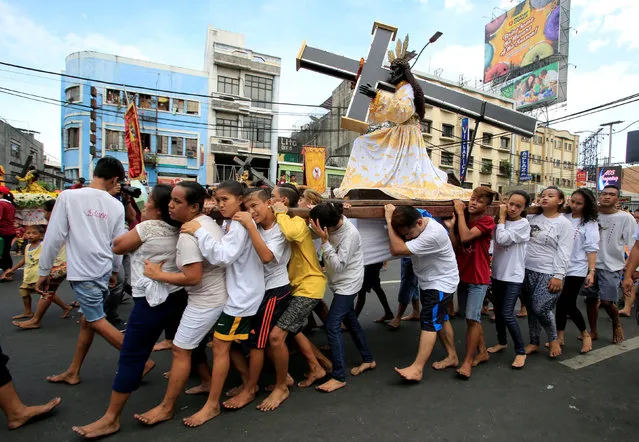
(134, 143)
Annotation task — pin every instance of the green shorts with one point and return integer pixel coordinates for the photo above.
(232, 328)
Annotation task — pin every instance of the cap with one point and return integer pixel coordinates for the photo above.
(5, 190)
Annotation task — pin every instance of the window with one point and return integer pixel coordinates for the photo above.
(162, 144)
(487, 138)
(73, 94)
(259, 89)
(226, 85)
(539, 139)
(192, 107)
(112, 96)
(178, 106)
(467, 185)
(146, 101)
(526, 139)
(426, 126)
(504, 142)
(73, 138)
(447, 130)
(163, 104)
(191, 147)
(177, 146)
(569, 147)
(471, 132)
(145, 140)
(114, 140)
(258, 130)
(447, 159)
(15, 149)
(430, 153)
(486, 166)
(226, 127)
(471, 162)
(557, 163)
(486, 185)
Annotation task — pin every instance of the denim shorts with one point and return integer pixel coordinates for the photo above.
(606, 286)
(471, 299)
(91, 296)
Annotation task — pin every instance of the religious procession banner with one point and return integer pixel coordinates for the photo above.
(315, 168)
(134, 143)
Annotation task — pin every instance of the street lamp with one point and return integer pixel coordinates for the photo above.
(433, 39)
(610, 124)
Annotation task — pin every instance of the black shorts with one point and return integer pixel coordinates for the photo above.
(434, 309)
(5, 376)
(275, 302)
(371, 277)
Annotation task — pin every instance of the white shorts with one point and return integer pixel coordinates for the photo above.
(196, 322)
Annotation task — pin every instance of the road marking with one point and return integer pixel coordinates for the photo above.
(601, 354)
(394, 281)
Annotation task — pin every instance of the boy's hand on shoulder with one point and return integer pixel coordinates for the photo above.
(191, 227)
(279, 207)
(389, 209)
(244, 218)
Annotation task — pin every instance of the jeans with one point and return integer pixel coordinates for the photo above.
(343, 311)
(408, 287)
(91, 296)
(505, 296)
(144, 328)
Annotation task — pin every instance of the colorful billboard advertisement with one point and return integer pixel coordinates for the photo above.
(521, 37)
(609, 176)
(538, 87)
(582, 178)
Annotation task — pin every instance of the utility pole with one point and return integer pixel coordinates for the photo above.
(610, 124)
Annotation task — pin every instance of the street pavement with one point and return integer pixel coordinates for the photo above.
(545, 401)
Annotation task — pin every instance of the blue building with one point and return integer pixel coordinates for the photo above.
(174, 127)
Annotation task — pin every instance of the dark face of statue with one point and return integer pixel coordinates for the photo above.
(397, 74)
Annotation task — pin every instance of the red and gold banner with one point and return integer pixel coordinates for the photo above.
(134, 143)
(315, 168)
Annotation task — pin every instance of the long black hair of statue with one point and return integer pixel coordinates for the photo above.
(420, 104)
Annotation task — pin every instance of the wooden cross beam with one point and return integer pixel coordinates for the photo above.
(247, 164)
(26, 165)
(374, 72)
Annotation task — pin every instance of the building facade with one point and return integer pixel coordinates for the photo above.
(173, 124)
(15, 147)
(244, 87)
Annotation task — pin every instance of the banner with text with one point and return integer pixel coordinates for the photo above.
(314, 168)
(463, 163)
(609, 176)
(523, 166)
(134, 143)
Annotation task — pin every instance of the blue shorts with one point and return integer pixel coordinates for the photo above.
(91, 296)
(606, 286)
(434, 309)
(471, 299)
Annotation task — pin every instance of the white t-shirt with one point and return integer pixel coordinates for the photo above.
(344, 259)
(509, 253)
(276, 271)
(211, 291)
(244, 269)
(586, 240)
(433, 257)
(87, 220)
(616, 232)
(159, 243)
(550, 245)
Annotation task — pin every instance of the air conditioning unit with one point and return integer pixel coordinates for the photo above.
(190, 154)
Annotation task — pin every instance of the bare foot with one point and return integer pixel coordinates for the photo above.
(519, 362)
(100, 428)
(199, 389)
(155, 415)
(394, 324)
(593, 336)
(356, 371)
(148, 366)
(166, 374)
(530, 349)
(624, 313)
(410, 373)
(522, 313)
(480, 359)
(325, 363)
(464, 371)
(496, 348)
(234, 391)
(205, 414)
(289, 383)
(163, 345)
(447, 362)
(411, 317)
(28, 413)
(26, 325)
(311, 377)
(64, 378)
(617, 334)
(586, 344)
(555, 349)
(23, 316)
(274, 400)
(67, 311)
(383, 319)
(241, 400)
(330, 386)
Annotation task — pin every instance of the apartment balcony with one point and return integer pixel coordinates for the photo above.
(245, 59)
(235, 146)
(231, 103)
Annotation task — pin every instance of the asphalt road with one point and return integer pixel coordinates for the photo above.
(544, 401)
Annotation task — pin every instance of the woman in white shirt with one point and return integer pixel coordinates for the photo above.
(156, 304)
(547, 259)
(583, 216)
(509, 255)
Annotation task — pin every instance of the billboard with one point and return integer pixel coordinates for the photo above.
(519, 39)
(609, 176)
(535, 88)
(582, 178)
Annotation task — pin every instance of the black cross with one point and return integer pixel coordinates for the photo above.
(25, 170)
(374, 72)
(246, 164)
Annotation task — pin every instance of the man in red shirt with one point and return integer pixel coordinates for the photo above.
(471, 238)
(79, 184)
(7, 227)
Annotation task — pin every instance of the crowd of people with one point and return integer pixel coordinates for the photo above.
(248, 280)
